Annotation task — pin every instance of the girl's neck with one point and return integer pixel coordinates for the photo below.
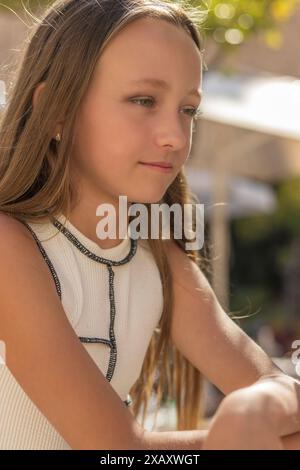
(87, 223)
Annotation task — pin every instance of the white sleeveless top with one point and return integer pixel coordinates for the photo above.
(118, 346)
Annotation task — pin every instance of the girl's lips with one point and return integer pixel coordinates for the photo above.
(164, 169)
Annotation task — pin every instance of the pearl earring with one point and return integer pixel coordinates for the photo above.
(58, 137)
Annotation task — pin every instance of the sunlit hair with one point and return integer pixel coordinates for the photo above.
(62, 49)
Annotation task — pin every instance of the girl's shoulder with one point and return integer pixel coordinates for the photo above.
(18, 248)
(12, 227)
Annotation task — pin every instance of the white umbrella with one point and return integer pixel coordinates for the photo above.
(260, 102)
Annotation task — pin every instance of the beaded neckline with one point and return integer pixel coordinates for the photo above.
(115, 253)
(89, 253)
(111, 342)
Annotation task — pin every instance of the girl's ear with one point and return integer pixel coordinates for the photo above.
(37, 92)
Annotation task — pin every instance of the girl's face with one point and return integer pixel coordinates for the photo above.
(123, 121)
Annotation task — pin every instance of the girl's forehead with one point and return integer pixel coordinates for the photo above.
(132, 54)
(150, 37)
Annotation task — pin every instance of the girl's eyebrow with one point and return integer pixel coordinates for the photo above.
(158, 83)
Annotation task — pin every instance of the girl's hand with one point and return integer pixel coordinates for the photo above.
(242, 422)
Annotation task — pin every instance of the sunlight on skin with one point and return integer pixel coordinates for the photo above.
(110, 159)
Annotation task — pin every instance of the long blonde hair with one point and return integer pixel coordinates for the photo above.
(63, 49)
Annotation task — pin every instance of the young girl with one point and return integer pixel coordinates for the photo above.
(106, 89)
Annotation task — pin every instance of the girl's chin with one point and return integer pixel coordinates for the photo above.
(151, 199)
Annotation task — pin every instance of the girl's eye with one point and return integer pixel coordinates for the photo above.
(194, 113)
(140, 100)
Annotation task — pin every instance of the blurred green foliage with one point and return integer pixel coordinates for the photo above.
(262, 246)
(231, 22)
(285, 218)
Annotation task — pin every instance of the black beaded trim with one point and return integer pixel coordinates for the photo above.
(109, 263)
(91, 255)
(46, 258)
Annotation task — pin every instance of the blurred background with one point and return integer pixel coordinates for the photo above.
(244, 164)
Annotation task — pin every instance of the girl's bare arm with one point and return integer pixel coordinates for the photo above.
(46, 357)
(225, 354)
